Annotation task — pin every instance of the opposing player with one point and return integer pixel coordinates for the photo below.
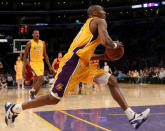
(28, 74)
(36, 51)
(18, 69)
(75, 68)
(56, 62)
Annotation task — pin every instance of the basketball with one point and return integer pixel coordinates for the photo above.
(115, 53)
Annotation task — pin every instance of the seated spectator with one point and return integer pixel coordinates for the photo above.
(141, 73)
(135, 76)
(141, 76)
(162, 73)
(3, 82)
(155, 76)
(135, 73)
(146, 75)
(130, 75)
(120, 75)
(156, 72)
(10, 80)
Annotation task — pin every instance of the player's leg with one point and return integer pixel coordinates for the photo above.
(12, 110)
(40, 101)
(57, 92)
(65, 80)
(135, 119)
(116, 93)
(32, 91)
(22, 80)
(38, 71)
(37, 83)
(18, 83)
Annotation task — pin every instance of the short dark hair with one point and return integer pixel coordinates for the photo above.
(34, 31)
(92, 8)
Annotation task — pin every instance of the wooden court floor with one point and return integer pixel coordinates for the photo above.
(135, 94)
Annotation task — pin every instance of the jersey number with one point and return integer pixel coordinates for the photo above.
(38, 52)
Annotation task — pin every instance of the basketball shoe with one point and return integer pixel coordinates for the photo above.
(32, 95)
(138, 119)
(10, 115)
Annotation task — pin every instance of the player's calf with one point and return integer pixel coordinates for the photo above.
(135, 119)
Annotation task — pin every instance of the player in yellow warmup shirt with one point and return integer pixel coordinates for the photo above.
(74, 68)
(36, 51)
(18, 69)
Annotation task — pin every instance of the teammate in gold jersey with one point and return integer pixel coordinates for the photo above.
(18, 69)
(36, 51)
(74, 68)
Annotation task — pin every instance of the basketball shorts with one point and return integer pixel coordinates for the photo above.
(19, 76)
(37, 68)
(73, 71)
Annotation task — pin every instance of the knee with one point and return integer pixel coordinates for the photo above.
(112, 82)
(53, 100)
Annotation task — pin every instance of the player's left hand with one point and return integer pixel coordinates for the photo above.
(51, 70)
(119, 44)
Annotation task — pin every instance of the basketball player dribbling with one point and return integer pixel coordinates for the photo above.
(75, 68)
(36, 51)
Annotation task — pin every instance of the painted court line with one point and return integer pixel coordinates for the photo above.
(64, 112)
(46, 122)
(125, 114)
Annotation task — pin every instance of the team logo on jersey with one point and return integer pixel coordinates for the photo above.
(37, 47)
(59, 87)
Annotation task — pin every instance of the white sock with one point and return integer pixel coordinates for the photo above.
(32, 89)
(17, 108)
(130, 113)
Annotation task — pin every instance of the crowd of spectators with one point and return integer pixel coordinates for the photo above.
(152, 75)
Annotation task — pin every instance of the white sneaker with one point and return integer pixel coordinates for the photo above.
(10, 115)
(138, 119)
(32, 95)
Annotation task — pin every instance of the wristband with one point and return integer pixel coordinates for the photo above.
(115, 45)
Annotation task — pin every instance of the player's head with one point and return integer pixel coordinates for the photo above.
(36, 34)
(18, 58)
(105, 63)
(96, 11)
(59, 55)
(1, 65)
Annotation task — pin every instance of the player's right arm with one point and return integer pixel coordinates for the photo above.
(15, 68)
(104, 36)
(27, 50)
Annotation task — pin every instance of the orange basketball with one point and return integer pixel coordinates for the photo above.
(115, 53)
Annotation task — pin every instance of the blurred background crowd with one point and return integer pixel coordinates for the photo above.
(138, 24)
